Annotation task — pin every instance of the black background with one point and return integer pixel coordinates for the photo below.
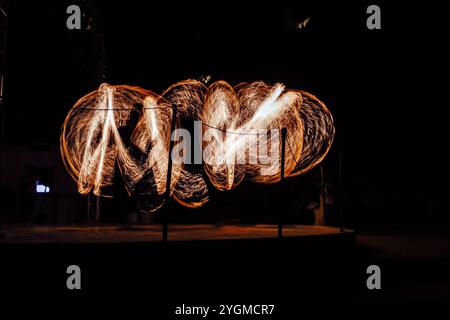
(386, 89)
(382, 86)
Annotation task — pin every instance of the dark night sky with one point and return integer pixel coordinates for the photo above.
(383, 87)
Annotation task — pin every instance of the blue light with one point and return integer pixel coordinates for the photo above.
(40, 188)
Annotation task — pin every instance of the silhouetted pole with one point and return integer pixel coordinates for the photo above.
(341, 195)
(89, 204)
(169, 172)
(4, 6)
(283, 156)
(323, 192)
(98, 209)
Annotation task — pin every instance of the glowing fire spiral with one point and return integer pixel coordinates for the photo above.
(124, 132)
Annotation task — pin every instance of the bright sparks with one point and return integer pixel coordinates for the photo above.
(124, 132)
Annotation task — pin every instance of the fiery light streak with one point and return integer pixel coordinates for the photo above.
(123, 132)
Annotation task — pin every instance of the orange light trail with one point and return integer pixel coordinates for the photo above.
(120, 129)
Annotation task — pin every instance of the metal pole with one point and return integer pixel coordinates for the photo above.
(165, 224)
(89, 207)
(341, 195)
(98, 209)
(283, 157)
(4, 32)
(323, 192)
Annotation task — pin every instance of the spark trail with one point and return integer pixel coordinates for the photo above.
(123, 132)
